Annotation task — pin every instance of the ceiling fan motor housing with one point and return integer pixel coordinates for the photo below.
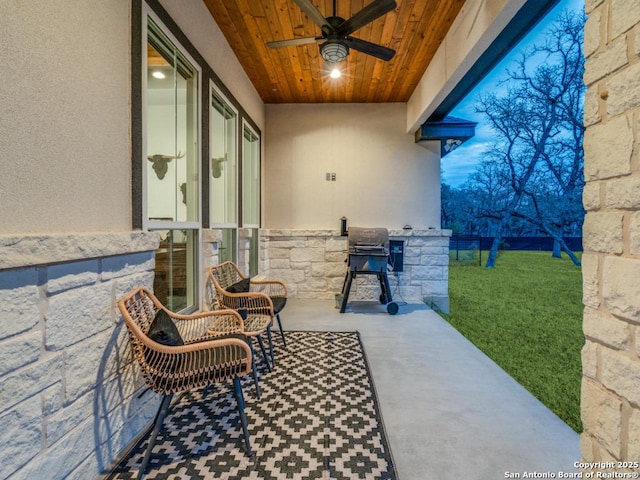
(334, 50)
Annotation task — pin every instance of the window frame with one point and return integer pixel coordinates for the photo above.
(242, 199)
(159, 224)
(253, 252)
(195, 226)
(232, 226)
(215, 91)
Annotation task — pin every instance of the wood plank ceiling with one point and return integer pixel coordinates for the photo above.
(414, 29)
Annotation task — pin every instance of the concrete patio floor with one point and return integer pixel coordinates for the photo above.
(449, 411)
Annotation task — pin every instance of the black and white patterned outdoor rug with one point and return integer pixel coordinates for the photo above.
(318, 418)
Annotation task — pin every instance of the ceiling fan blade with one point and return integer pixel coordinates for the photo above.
(313, 13)
(368, 14)
(293, 42)
(369, 48)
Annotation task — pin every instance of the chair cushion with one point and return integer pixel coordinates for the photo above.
(181, 371)
(278, 304)
(164, 331)
(240, 336)
(240, 287)
(219, 356)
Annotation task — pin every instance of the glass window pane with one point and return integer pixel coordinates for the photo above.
(171, 183)
(175, 281)
(228, 245)
(250, 178)
(223, 166)
(172, 132)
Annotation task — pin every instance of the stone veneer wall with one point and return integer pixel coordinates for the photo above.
(312, 265)
(611, 260)
(68, 383)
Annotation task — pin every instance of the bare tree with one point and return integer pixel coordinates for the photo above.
(539, 132)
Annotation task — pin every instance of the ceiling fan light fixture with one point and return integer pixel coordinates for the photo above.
(335, 73)
(334, 52)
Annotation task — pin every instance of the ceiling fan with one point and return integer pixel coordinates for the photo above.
(336, 31)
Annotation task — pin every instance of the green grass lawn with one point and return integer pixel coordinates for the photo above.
(526, 315)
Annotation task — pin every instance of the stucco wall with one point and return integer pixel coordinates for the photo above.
(65, 117)
(611, 261)
(383, 179)
(65, 126)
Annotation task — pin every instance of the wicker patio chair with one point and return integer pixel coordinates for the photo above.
(255, 309)
(227, 274)
(196, 351)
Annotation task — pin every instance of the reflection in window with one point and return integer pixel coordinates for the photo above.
(175, 272)
(228, 246)
(250, 254)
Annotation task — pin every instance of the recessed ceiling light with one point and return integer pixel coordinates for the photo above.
(158, 74)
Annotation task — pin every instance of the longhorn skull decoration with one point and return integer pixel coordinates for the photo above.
(161, 163)
(183, 190)
(216, 166)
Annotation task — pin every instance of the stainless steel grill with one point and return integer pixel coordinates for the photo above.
(363, 240)
(368, 254)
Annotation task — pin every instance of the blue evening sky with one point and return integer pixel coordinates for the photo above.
(459, 164)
